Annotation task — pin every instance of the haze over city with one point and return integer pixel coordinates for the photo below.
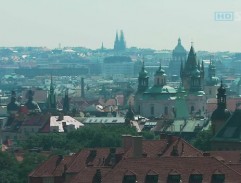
(147, 24)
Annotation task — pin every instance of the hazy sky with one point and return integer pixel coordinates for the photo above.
(146, 23)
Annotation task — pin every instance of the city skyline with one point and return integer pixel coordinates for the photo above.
(155, 24)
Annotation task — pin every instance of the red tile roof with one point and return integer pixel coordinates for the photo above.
(158, 161)
(52, 167)
(164, 165)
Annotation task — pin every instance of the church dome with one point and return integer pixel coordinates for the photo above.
(179, 48)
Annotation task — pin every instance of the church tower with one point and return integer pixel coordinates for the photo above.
(212, 81)
(120, 43)
(143, 79)
(143, 85)
(51, 97)
(13, 107)
(116, 43)
(192, 74)
(160, 77)
(221, 114)
(66, 102)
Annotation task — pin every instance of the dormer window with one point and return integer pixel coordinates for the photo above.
(151, 177)
(218, 177)
(174, 177)
(129, 179)
(196, 177)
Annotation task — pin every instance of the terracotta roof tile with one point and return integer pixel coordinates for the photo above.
(164, 165)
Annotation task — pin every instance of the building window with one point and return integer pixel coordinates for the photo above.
(197, 178)
(174, 178)
(151, 179)
(218, 178)
(129, 179)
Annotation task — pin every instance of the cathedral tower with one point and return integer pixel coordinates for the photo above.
(221, 114)
(192, 74)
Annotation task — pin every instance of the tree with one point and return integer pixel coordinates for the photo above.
(202, 140)
(30, 162)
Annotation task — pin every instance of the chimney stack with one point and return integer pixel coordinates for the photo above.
(137, 146)
(126, 142)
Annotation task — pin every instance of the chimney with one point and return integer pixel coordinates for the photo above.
(126, 142)
(163, 136)
(175, 151)
(137, 146)
(61, 117)
(170, 139)
(82, 88)
(59, 159)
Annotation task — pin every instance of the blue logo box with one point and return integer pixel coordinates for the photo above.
(224, 16)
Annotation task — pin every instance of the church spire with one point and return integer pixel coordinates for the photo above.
(143, 78)
(179, 41)
(51, 97)
(66, 102)
(116, 43)
(122, 43)
(51, 85)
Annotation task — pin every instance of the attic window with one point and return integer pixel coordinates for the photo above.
(174, 177)
(218, 178)
(129, 179)
(197, 178)
(151, 178)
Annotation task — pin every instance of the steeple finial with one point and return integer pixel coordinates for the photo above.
(179, 41)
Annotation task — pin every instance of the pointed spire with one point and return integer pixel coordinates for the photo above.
(179, 41)
(116, 37)
(51, 85)
(102, 46)
(122, 43)
(66, 102)
(116, 43)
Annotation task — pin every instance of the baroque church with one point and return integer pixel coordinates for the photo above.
(161, 100)
(179, 54)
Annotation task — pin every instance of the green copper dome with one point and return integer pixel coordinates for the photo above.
(179, 48)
